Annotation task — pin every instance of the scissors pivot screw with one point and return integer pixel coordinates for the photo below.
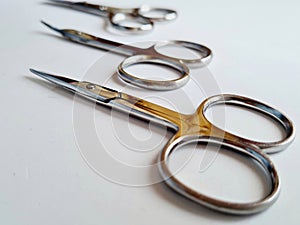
(90, 86)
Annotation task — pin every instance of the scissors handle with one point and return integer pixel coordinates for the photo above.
(158, 85)
(130, 22)
(275, 115)
(156, 14)
(206, 133)
(238, 208)
(140, 19)
(179, 65)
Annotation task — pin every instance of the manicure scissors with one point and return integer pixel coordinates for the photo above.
(195, 128)
(145, 55)
(142, 18)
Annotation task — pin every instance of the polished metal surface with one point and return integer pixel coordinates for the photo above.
(145, 55)
(196, 128)
(122, 18)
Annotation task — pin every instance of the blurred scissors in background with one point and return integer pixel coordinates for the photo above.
(131, 19)
(145, 55)
(197, 129)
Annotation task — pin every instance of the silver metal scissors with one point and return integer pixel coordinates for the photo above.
(145, 55)
(138, 19)
(195, 128)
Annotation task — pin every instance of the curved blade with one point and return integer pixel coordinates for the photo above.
(60, 3)
(52, 27)
(81, 6)
(73, 35)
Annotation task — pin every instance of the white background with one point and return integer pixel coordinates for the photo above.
(44, 178)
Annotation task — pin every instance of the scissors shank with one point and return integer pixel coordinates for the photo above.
(142, 109)
(130, 104)
(104, 44)
(154, 111)
(186, 125)
(110, 46)
(101, 43)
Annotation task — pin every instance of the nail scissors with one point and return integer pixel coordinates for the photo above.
(142, 19)
(145, 55)
(195, 128)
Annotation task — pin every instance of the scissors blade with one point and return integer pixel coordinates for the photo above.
(73, 35)
(92, 91)
(59, 80)
(97, 42)
(70, 34)
(81, 6)
(61, 31)
(60, 2)
(118, 100)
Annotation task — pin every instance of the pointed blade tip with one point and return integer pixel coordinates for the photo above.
(51, 77)
(36, 72)
(51, 27)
